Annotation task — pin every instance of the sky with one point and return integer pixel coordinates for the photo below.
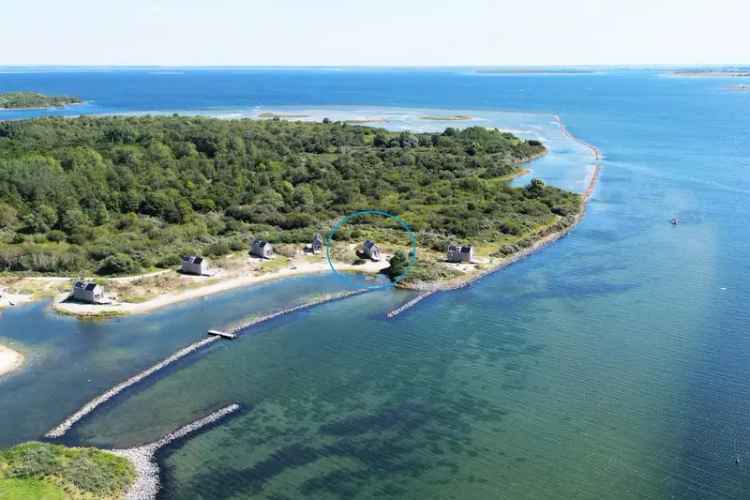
(374, 33)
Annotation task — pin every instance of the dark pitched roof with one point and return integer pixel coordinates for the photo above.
(85, 285)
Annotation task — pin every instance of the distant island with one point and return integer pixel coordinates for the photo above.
(30, 100)
(535, 71)
(445, 118)
(285, 116)
(713, 73)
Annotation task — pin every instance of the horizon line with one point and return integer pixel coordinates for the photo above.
(396, 66)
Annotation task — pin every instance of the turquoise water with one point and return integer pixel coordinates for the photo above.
(613, 364)
(70, 361)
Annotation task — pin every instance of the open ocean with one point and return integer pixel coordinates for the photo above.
(613, 364)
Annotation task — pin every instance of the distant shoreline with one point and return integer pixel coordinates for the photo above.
(446, 118)
(713, 74)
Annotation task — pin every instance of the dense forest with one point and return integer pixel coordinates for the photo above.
(119, 195)
(21, 100)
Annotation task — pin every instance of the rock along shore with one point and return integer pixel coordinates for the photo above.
(143, 458)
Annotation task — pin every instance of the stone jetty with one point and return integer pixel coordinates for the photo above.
(408, 305)
(89, 407)
(69, 422)
(143, 458)
(243, 327)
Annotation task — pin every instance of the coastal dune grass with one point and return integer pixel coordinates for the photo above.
(24, 489)
(48, 471)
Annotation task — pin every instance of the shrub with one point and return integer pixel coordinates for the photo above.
(88, 472)
(168, 261)
(56, 235)
(218, 249)
(286, 250)
(118, 264)
(236, 245)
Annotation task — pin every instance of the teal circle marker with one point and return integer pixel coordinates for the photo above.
(362, 213)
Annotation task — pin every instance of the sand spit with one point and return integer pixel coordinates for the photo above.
(69, 422)
(10, 360)
(297, 268)
(8, 299)
(146, 485)
(594, 150)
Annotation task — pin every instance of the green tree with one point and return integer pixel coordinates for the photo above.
(398, 264)
(535, 189)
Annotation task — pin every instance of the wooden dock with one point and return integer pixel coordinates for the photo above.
(219, 333)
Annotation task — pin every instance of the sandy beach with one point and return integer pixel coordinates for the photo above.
(10, 360)
(13, 299)
(10, 299)
(295, 267)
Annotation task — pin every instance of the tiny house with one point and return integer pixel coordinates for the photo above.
(457, 253)
(84, 291)
(262, 249)
(194, 264)
(317, 243)
(370, 250)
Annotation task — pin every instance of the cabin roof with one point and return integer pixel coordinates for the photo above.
(85, 285)
(193, 259)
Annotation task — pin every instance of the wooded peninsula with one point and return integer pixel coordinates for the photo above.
(30, 100)
(123, 195)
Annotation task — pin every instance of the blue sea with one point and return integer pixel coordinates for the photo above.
(613, 364)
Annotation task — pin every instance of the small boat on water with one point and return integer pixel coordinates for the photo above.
(674, 221)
